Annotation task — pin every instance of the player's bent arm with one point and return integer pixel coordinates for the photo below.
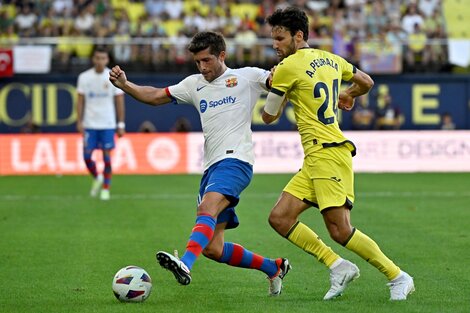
(273, 107)
(362, 84)
(146, 94)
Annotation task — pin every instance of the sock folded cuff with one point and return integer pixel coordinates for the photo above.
(350, 237)
(291, 229)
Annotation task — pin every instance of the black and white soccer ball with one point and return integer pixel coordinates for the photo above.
(132, 284)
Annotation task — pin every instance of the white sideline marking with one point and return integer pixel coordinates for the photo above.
(143, 196)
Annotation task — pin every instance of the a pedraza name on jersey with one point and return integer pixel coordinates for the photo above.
(317, 63)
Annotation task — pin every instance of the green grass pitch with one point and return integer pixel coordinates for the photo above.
(59, 249)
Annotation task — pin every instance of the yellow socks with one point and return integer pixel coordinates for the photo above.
(304, 238)
(367, 249)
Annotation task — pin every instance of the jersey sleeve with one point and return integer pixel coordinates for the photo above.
(283, 79)
(348, 70)
(181, 92)
(258, 75)
(116, 91)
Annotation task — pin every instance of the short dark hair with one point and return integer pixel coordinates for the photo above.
(100, 49)
(292, 18)
(203, 40)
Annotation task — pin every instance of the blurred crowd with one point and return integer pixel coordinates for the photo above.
(153, 34)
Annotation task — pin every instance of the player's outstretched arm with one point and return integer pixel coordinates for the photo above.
(146, 94)
(362, 84)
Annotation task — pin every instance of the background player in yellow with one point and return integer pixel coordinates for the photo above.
(310, 80)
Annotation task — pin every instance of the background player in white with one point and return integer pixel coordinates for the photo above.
(98, 104)
(225, 99)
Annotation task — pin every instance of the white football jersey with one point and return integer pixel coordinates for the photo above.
(225, 107)
(99, 92)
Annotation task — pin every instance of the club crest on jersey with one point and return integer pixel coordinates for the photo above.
(231, 82)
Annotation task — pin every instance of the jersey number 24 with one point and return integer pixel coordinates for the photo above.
(323, 108)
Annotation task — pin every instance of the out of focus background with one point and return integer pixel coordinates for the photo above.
(60, 247)
(417, 51)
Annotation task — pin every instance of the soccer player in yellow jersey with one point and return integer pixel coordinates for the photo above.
(310, 80)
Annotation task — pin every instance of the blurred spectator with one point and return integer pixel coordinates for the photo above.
(178, 50)
(30, 127)
(85, 20)
(105, 24)
(182, 125)
(337, 25)
(388, 116)
(63, 7)
(229, 23)
(376, 18)
(411, 18)
(427, 7)
(247, 48)
(65, 48)
(147, 127)
(154, 7)
(122, 50)
(447, 122)
(26, 21)
(362, 115)
(174, 8)
(438, 50)
(9, 37)
(194, 21)
(393, 10)
(417, 54)
(396, 37)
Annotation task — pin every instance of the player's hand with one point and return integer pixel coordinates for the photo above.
(346, 102)
(120, 132)
(117, 77)
(80, 127)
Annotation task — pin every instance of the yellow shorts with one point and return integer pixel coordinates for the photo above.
(326, 179)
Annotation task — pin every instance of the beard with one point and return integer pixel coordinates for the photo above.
(290, 49)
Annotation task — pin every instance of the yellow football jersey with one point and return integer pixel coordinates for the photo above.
(310, 79)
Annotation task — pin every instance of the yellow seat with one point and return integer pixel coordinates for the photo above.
(456, 14)
(243, 10)
(172, 27)
(135, 10)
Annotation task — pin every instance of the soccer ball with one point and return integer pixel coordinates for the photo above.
(132, 284)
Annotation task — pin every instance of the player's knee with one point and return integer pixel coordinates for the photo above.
(212, 252)
(204, 208)
(279, 222)
(339, 234)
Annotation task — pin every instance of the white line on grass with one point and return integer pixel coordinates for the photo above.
(378, 194)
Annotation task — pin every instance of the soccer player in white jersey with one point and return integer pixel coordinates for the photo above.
(225, 99)
(98, 104)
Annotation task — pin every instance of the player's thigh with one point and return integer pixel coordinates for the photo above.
(213, 203)
(333, 178)
(228, 177)
(90, 140)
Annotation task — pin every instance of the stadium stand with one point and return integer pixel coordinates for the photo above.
(151, 34)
